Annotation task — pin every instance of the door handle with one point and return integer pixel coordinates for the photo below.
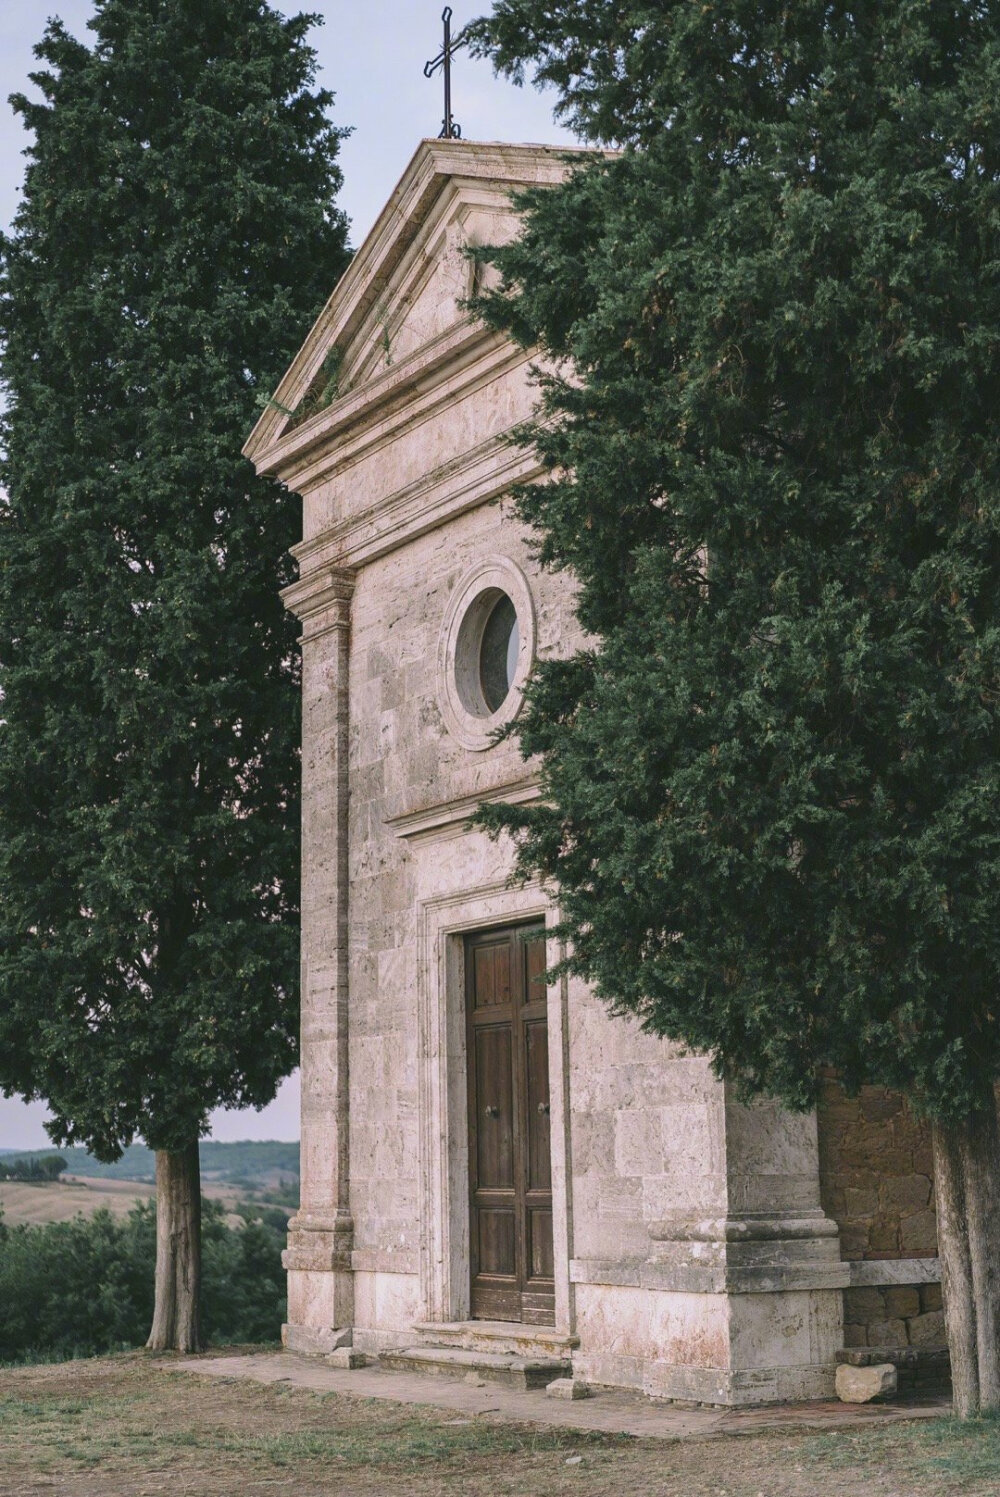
(543, 1109)
(492, 1112)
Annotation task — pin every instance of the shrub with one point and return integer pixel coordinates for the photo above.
(84, 1287)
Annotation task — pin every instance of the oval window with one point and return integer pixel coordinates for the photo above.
(498, 653)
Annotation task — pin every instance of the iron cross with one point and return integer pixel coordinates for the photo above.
(449, 129)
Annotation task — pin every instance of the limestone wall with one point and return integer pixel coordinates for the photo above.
(876, 1174)
(877, 1182)
(404, 761)
(894, 1316)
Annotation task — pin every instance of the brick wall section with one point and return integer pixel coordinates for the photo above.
(894, 1317)
(876, 1174)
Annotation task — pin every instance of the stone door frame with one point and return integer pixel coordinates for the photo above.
(442, 1095)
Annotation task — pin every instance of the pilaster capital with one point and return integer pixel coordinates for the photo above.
(321, 599)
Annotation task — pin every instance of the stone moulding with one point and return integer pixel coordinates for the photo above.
(450, 818)
(438, 168)
(442, 1095)
(321, 600)
(319, 1245)
(878, 1273)
(491, 574)
(745, 1255)
(481, 476)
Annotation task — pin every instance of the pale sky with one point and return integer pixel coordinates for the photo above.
(371, 55)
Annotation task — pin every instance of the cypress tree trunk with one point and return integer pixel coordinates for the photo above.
(176, 1311)
(967, 1192)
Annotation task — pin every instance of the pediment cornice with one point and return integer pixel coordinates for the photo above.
(422, 227)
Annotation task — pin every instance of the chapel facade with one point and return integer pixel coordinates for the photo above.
(491, 1164)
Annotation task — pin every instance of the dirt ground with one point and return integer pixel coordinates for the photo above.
(118, 1427)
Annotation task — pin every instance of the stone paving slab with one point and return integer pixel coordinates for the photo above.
(607, 1412)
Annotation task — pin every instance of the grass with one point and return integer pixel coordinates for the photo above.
(961, 1452)
(120, 1427)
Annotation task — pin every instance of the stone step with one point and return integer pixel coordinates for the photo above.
(484, 1366)
(509, 1338)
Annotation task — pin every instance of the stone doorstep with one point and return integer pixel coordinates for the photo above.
(493, 1367)
(531, 1341)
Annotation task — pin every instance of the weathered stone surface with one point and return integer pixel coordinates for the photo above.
(346, 1356)
(902, 1304)
(876, 1173)
(928, 1330)
(931, 1297)
(887, 1333)
(567, 1387)
(862, 1384)
(735, 1297)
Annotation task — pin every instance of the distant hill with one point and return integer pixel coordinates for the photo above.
(254, 1165)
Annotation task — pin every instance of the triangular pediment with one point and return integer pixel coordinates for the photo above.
(399, 306)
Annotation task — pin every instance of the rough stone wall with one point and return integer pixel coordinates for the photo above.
(404, 760)
(876, 1174)
(894, 1316)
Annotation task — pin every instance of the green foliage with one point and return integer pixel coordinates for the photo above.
(772, 434)
(176, 236)
(80, 1288)
(34, 1168)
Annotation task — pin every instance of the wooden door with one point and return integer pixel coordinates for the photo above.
(510, 1164)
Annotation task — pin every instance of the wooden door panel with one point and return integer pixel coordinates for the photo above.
(541, 1261)
(497, 1242)
(492, 975)
(510, 1163)
(536, 1076)
(534, 955)
(495, 1109)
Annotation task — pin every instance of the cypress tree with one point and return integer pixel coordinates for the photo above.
(771, 425)
(177, 233)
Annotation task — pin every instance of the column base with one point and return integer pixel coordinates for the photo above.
(314, 1342)
(320, 1283)
(730, 1311)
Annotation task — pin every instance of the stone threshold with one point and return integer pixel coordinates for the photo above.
(487, 1366)
(607, 1411)
(505, 1337)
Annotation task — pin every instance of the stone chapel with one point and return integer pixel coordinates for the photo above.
(496, 1173)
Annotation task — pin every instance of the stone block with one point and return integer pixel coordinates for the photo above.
(887, 1333)
(864, 1305)
(855, 1335)
(901, 1304)
(853, 1239)
(927, 1330)
(347, 1357)
(862, 1384)
(878, 1106)
(931, 1297)
(905, 1193)
(567, 1387)
(918, 1235)
(884, 1234)
(315, 1341)
(860, 1202)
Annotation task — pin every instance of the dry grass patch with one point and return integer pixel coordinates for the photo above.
(120, 1426)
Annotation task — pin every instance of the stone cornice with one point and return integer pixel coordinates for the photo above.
(321, 600)
(437, 168)
(462, 359)
(475, 477)
(450, 818)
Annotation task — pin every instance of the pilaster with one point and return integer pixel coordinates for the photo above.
(321, 1234)
(738, 1299)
